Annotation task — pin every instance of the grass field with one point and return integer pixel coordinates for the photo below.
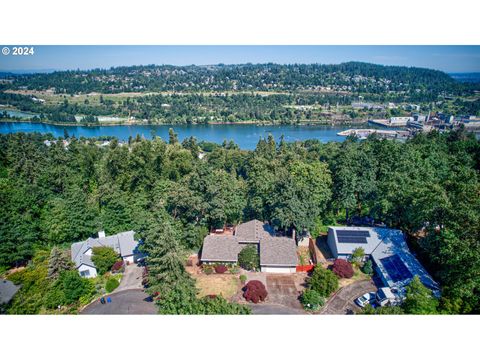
(226, 285)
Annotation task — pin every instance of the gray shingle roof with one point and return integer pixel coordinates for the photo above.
(274, 250)
(253, 231)
(123, 243)
(220, 248)
(278, 250)
(7, 291)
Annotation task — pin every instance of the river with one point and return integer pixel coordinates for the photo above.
(246, 136)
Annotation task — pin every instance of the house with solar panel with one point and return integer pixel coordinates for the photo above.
(123, 243)
(394, 263)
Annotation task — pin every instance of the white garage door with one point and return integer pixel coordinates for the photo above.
(275, 269)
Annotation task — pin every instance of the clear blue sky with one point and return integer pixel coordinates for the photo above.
(445, 58)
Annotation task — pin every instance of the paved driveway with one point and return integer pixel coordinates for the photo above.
(132, 278)
(128, 302)
(343, 301)
(282, 291)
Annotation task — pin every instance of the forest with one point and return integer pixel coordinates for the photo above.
(352, 76)
(52, 196)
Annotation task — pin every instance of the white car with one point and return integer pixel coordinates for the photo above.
(365, 299)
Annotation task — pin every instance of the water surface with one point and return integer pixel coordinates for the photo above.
(246, 136)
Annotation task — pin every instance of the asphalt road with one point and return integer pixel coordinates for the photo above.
(128, 302)
(269, 309)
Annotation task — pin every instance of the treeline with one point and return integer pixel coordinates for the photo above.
(359, 78)
(427, 186)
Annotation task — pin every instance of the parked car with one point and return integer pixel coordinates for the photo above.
(388, 297)
(365, 299)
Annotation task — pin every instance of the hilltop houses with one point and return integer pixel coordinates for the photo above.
(277, 253)
(123, 243)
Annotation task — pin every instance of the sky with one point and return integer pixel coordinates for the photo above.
(45, 58)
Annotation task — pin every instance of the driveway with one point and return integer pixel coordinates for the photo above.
(343, 301)
(272, 309)
(126, 302)
(132, 278)
(283, 292)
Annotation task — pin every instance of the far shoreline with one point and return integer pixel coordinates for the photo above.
(243, 122)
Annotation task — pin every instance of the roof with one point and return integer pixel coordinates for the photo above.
(274, 250)
(253, 231)
(372, 239)
(394, 247)
(220, 248)
(278, 250)
(7, 291)
(123, 243)
(391, 255)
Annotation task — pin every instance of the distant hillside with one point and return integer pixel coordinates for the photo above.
(466, 77)
(353, 77)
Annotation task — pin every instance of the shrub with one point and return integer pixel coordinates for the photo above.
(323, 281)
(207, 269)
(75, 286)
(255, 291)
(357, 256)
(343, 268)
(111, 284)
(368, 268)
(118, 266)
(55, 296)
(248, 258)
(233, 269)
(312, 300)
(220, 269)
(218, 305)
(243, 278)
(104, 257)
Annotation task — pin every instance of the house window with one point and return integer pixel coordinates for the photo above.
(85, 273)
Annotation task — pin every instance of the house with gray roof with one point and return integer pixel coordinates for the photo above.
(123, 243)
(395, 265)
(277, 253)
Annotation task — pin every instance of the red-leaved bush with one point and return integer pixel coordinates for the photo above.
(117, 266)
(220, 269)
(343, 268)
(255, 291)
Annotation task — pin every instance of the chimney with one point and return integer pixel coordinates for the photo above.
(293, 235)
(101, 234)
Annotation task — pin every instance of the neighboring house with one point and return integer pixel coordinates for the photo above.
(7, 291)
(277, 253)
(394, 263)
(123, 243)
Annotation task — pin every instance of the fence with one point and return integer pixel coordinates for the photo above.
(304, 268)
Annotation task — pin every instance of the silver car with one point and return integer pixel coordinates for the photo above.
(365, 299)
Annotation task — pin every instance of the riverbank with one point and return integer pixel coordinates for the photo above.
(144, 123)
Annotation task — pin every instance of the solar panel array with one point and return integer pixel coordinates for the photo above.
(396, 269)
(352, 236)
